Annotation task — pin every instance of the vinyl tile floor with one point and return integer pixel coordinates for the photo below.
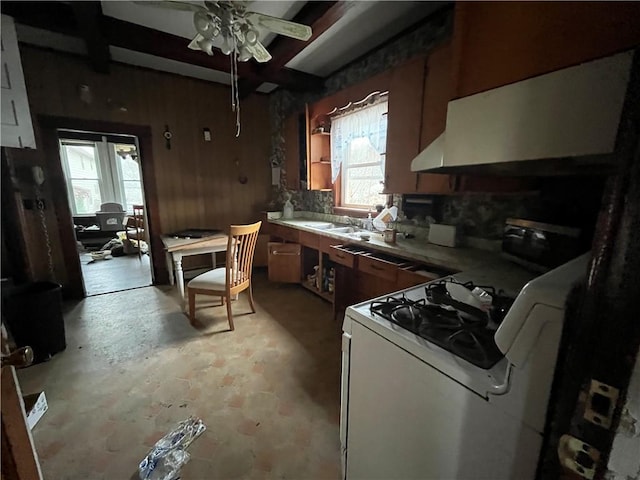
(115, 274)
(268, 392)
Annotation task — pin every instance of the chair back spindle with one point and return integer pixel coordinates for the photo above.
(240, 250)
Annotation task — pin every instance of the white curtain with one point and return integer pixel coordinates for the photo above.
(367, 122)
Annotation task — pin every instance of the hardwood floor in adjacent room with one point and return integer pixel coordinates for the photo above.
(269, 392)
(114, 274)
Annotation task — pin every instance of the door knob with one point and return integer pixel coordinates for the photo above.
(22, 357)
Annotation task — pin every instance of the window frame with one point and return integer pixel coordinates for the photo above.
(110, 181)
(340, 208)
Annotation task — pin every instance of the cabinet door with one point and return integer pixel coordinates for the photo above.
(17, 130)
(404, 125)
(497, 43)
(284, 262)
(344, 293)
(438, 89)
(292, 151)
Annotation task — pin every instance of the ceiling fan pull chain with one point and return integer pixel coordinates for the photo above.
(234, 91)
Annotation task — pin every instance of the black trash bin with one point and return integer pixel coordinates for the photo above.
(33, 313)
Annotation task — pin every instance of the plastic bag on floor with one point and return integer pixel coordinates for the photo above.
(169, 454)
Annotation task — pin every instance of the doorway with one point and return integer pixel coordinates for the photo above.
(103, 179)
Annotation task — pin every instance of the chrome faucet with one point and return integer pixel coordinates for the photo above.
(354, 222)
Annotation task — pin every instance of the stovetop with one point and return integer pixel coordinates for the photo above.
(459, 328)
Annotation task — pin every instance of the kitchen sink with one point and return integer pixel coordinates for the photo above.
(352, 232)
(320, 225)
(344, 230)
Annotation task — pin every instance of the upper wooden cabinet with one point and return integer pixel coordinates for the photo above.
(404, 120)
(319, 163)
(292, 151)
(497, 43)
(418, 95)
(437, 91)
(307, 155)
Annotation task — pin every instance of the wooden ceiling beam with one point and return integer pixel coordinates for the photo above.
(161, 44)
(60, 18)
(54, 16)
(88, 18)
(320, 16)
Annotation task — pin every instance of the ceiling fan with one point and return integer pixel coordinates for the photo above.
(237, 27)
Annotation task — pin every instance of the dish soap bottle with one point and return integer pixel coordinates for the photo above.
(287, 211)
(368, 223)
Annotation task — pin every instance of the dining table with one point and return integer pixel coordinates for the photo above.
(177, 247)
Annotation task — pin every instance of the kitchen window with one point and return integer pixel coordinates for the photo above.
(358, 144)
(98, 172)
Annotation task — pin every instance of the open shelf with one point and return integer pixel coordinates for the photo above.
(326, 295)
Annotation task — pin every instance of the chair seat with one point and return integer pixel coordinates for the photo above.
(211, 280)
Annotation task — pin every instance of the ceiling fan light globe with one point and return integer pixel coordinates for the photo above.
(245, 55)
(203, 24)
(251, 36)
(225, 47)
(206, 45)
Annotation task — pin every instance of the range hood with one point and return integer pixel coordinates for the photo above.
(570, 116)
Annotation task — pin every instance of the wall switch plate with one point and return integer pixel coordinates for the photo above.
(207, 135)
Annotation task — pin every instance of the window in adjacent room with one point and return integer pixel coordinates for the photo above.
(358, 144)
(98, 172)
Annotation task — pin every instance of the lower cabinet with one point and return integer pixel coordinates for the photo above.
(284, 262)
(343, 274)
(362, 275)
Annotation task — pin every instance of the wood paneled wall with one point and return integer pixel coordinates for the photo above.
(198, 182)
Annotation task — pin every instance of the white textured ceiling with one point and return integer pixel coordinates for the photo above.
(365, 25)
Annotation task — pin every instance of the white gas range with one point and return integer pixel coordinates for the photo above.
(438, 393)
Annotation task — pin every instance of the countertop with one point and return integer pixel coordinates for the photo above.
(483, 266)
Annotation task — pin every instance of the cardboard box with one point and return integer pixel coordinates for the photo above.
(35, 405)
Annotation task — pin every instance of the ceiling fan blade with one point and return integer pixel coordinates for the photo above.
(171, 4)
(259, 52)
(281, 26)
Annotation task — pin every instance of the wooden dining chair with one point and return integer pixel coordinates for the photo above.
(134, 227)
(234, 277)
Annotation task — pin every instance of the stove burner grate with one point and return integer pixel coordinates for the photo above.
(459, 332)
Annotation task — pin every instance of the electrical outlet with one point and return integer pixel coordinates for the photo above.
(207, 134)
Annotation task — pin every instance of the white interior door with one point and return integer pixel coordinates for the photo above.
(17, 130)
